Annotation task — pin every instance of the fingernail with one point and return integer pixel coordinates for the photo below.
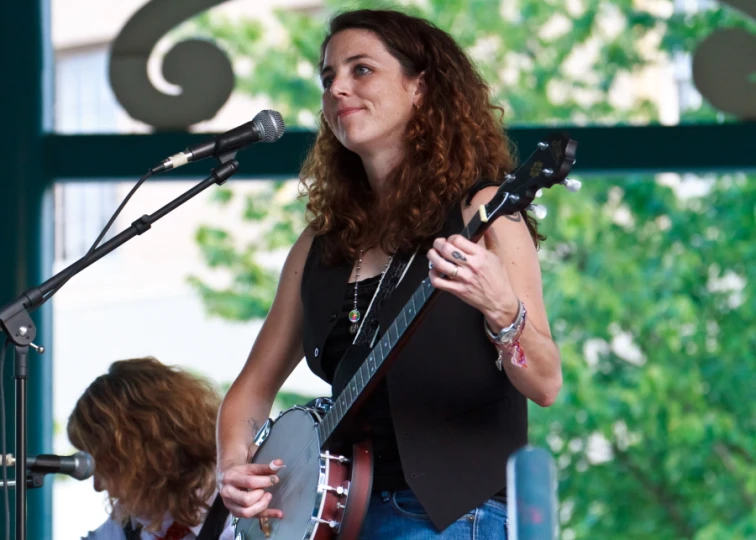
(275, 467)
(273, 480)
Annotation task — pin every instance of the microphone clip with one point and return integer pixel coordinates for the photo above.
(33, 480)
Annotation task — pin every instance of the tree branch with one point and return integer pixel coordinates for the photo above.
(683, 527)
(726, 457)
(745, 456)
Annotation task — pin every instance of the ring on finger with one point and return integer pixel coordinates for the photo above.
(454, 274)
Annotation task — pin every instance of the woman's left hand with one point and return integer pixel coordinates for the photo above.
(473, 273)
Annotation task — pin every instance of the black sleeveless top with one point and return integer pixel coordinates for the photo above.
(376, 415)
(454, 416)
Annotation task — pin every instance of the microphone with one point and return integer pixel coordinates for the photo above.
(267, 126)
(80, 465)
(531, 495)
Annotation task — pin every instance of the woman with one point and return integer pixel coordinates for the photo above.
(151, 431)
(407, 134)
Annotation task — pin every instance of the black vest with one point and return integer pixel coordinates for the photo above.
(457, 418)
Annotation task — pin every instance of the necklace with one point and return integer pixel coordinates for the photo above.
(355, 315)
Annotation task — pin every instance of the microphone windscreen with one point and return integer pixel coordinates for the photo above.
(271, 125)
(84, 466)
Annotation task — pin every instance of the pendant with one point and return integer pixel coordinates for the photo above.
(354, 317)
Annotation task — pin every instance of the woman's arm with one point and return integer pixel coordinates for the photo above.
(245, 408)
(497, 272)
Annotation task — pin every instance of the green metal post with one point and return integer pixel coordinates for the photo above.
(25, 223)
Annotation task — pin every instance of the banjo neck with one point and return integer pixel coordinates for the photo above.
(374, 368)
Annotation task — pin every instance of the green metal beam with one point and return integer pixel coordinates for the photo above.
(611, 149)
(24, 222)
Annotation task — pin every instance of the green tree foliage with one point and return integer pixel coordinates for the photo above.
(650, 299)
(279, 218)
(648, 280)
(547, 62)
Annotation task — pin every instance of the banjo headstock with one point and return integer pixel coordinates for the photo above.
(547, 166)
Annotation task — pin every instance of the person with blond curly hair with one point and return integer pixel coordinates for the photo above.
(409, 146)
(151, 431)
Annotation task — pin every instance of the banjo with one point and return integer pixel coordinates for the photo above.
(325, 488)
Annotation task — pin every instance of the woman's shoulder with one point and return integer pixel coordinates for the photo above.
(110, 530)
(299, 254)
(480, 185)
(301, 247)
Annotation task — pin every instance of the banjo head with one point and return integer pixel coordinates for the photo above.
(294, 439)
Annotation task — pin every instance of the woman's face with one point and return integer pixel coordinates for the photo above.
(99, 483)
(103, 483)
(367, 100)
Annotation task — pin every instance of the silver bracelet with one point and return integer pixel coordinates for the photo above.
(507, 339)
(507, 335)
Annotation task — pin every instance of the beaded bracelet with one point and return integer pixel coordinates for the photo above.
(507, 341)
(515, 353)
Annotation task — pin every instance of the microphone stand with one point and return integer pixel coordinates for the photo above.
(17, 325)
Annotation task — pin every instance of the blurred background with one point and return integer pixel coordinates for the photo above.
(648, 271)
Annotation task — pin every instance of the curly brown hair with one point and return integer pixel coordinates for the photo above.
(151, 431)
(453, 139)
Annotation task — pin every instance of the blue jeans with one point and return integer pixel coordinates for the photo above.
(398, 516)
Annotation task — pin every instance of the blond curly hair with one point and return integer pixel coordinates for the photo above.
(151, 431)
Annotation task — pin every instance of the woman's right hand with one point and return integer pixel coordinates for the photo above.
(242, 488)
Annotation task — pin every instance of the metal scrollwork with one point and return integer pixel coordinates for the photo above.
(199, 67)
(724, 66)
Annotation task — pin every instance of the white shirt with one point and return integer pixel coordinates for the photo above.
(113, 530)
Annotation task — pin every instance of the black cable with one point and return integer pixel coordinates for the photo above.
(2, 436)
(82, 262)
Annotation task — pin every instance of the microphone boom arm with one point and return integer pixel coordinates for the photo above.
(18, 327)
(15, 315)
